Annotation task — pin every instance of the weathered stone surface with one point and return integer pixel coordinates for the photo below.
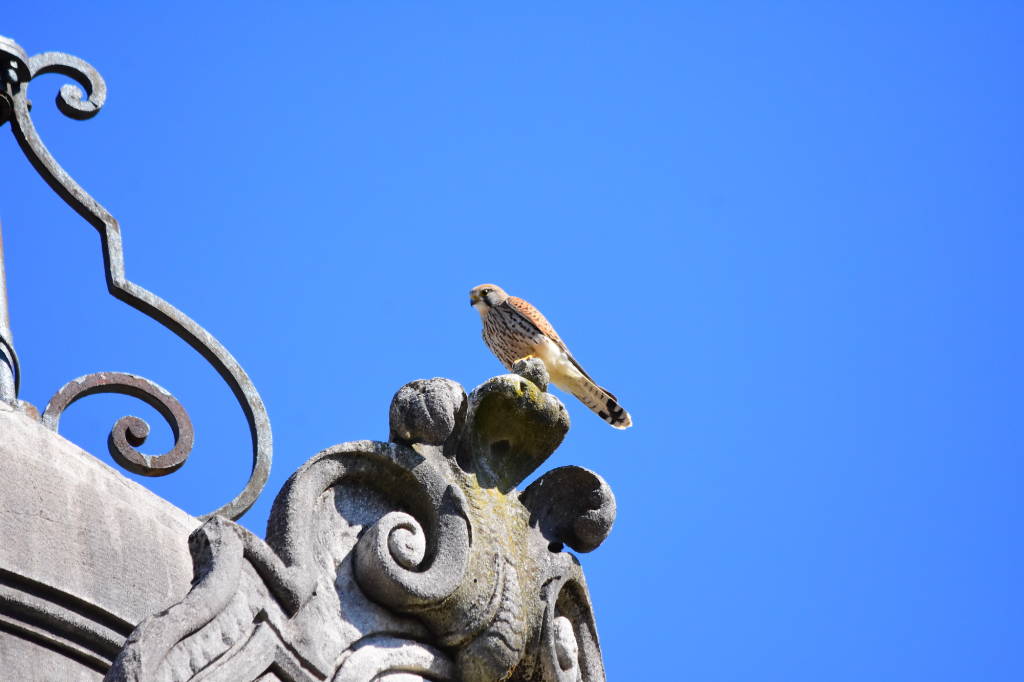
(533, 370)
(571, 505)
(427, 411)
(85, 554)
(511, 428)
(401, 561)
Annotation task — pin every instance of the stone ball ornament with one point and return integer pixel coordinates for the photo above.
(427, 411)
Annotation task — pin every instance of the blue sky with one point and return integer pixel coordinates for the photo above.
(786, 235)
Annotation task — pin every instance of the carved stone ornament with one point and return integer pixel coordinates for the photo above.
(415, 559)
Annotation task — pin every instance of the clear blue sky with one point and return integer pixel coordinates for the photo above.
(788, 236)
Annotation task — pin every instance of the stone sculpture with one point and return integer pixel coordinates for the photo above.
(411, 559)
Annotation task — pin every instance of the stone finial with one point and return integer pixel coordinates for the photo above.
(427, 411)
(534, 370)
(415, 556)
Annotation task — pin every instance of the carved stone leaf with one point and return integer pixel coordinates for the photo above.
(225, 623)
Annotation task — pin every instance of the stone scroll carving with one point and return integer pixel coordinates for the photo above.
(411, 559)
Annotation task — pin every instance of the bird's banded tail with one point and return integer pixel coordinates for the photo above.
(602, 402)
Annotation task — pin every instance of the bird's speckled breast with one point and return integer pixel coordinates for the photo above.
(510, 335)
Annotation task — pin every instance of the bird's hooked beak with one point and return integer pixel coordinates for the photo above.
(473, 299)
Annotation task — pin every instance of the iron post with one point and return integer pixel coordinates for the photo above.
(8, 363)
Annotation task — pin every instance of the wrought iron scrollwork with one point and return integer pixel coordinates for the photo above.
(16, 71)
(130, 432)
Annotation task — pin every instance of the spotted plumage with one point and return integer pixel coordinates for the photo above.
(514, 329)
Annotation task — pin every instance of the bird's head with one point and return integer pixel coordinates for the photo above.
(486, 296)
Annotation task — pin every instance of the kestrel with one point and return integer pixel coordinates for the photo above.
(514, 329)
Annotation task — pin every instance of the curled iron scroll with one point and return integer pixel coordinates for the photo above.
(19, 71)
(130, 432)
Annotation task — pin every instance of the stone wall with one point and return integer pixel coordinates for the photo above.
(85, 555)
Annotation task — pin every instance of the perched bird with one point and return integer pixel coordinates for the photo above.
(514, 329)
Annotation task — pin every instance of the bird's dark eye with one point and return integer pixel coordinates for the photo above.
(485, 292)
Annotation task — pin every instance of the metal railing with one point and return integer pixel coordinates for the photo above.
(17, 70)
